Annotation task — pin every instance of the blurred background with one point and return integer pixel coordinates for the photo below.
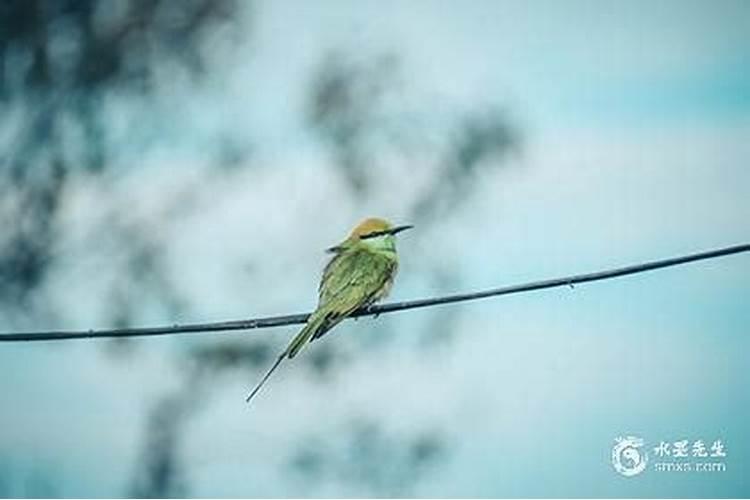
(166, 162)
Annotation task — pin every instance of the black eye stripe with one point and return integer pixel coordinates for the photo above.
(373, 234)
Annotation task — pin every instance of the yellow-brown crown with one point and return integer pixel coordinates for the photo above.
(370, 225)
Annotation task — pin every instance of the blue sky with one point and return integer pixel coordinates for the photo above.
(635, 120)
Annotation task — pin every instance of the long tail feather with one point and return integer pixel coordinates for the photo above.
(314, 324)
(266, 377)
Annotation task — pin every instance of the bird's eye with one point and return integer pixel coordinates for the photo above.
(373, 234)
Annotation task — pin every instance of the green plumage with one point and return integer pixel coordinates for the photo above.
(356, 277)
(360, 273)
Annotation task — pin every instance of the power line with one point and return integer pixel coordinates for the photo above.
(293, 319)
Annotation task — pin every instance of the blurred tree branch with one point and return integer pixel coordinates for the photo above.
(58, 60)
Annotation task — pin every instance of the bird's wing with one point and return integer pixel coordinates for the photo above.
(355, 271)
(340, 272)
(351, 280)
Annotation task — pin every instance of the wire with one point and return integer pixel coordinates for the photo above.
(293, 319)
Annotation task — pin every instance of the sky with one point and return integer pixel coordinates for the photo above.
(635, 118)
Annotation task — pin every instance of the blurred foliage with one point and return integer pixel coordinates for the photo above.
(482, 141)
(61, 60)
(145, 262)
(160, 469)
(346, 107)
(369, 459)
(351, 108)
(210, 360)
(58, 61)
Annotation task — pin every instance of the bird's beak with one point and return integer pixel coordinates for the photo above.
(398, 229)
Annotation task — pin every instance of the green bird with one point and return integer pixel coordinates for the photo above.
(360, 273)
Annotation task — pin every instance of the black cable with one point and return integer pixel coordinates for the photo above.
(293, 319)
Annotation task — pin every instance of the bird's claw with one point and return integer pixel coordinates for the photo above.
(369, 310)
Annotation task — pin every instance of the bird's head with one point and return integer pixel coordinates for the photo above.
(378, 234)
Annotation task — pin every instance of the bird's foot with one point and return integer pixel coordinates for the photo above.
(369, 310)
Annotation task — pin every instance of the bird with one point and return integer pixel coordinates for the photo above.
(360, 273)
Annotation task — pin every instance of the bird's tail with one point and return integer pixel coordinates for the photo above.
(266, 377)
(320, 320)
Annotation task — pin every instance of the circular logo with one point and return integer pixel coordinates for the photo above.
(627, 457)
